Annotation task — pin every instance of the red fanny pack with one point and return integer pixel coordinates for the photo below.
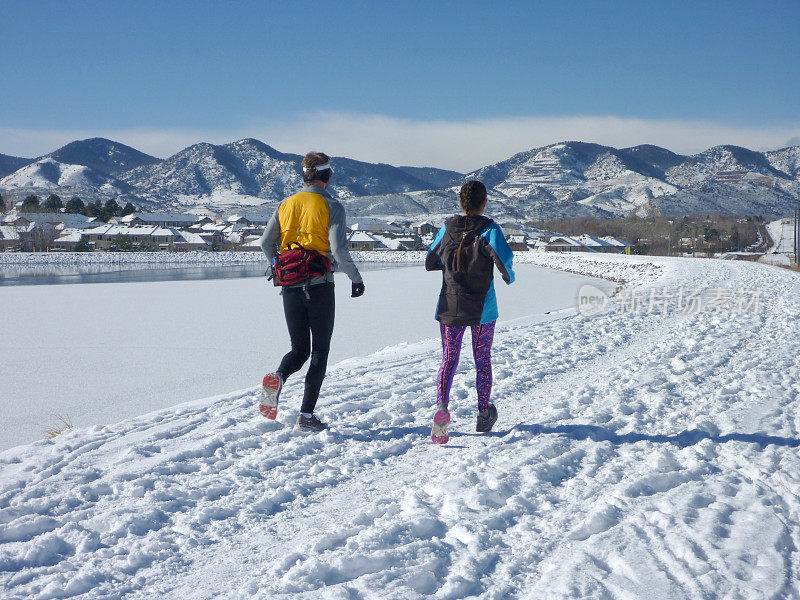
(297, 265)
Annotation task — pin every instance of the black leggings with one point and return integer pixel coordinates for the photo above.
(309, 318)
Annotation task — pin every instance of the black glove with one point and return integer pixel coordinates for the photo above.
(270, 273)
(358, 290)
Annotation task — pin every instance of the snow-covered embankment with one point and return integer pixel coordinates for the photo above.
(650, 452)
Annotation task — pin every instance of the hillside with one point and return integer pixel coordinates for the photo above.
(49, 174)
(559, 180)
(577, 179)
(9, 164)
(251, 168)
(102, 155)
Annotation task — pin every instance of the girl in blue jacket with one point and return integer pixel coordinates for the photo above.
(466, 250)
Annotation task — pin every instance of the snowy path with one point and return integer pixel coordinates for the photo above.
(101, 353)
(636, 456)
(782, 236)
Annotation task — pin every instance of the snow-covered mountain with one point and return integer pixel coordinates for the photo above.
(436, 178)
(9, 164)
(786, 160)
(51, 174)
(197, 170)
(576, 178)
(253, 170)
(432, 204)
(100, 154)
(729, 164)
(563, 179)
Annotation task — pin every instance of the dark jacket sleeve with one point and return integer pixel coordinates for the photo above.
(432, 261)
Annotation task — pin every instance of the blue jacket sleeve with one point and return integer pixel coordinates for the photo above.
(500, 252)
(432, 260)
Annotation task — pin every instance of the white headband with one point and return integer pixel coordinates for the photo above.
(319, 168)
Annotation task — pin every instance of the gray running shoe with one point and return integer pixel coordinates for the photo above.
(311, 424)
(486, 419)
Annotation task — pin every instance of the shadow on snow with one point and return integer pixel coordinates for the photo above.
(685, 438)
(595, 433)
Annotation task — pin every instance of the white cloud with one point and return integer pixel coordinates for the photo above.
(460, 145)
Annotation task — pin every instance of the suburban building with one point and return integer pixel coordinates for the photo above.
(249, 243)
(244, 218)
(373, 225)
(188, 241)
(425, 228)
(68, 239)
(10, 237)
(518, 242)
(160, 219)
(361, 240)
(400, 241)
(61, 220)
(563, 243)
(583, 243)
(155, 237)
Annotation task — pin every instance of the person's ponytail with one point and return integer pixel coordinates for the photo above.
(472, 198)
(461, 245)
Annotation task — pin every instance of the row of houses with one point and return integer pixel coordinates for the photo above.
(152, 231)
(374, 234)
(175, 232)
(583, 243)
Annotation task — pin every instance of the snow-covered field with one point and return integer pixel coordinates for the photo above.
(99, 353)
(646, 452)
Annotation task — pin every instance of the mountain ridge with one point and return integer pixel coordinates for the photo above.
(569, 178)
(101, 154)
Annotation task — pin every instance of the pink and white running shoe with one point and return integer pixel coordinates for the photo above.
(270, 392)
(441, 420)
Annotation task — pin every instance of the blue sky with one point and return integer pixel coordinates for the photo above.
(379, 80)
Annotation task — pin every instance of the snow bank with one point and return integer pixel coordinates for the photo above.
(636, 270)
(646, 455)
(178, 258)
(175, 258)
(36, 259)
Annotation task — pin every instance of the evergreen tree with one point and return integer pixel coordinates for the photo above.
(76, 206)
(121, 243)
(94, 209)
(83, 245)
(128, 210)
(111, 209)
(31, 204)
(3, 204)
(53, 203)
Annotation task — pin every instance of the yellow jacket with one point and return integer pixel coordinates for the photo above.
(304, 219)
(316, 221)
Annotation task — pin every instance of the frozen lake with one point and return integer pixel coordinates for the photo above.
(104, 352)
(129, 273)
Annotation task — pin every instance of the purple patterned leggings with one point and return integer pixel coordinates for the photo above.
(482, 336)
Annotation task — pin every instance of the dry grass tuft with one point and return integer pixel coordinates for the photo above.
(61, 425)
(791, 268)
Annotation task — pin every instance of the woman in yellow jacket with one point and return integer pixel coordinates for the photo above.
(313, 219)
